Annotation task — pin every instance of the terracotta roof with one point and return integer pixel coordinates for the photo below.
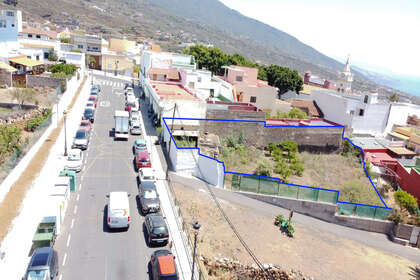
(171, 74)
(307, 105)
(401, 151)
(32, 30)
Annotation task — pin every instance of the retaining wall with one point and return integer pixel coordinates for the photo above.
(6, 78)
(43, 81)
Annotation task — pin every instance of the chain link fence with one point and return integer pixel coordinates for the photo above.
(363, 211)
(271, 186)
(27, 144)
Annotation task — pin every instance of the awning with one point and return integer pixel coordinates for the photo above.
(399, 135)
(7, 67)
(26, 61)
(401, 151)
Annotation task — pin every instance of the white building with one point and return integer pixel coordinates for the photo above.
(345, 79)
(399, 113)
(10, 26)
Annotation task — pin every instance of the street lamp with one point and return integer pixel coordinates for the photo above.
(65, 133)
(116, 67)
(196, 227)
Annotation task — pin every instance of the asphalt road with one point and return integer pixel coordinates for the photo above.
(87, 249)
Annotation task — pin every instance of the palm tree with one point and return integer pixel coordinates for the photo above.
(394, 97)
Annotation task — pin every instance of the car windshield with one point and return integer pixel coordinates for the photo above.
(37, 274)
(150, 194)
(81, 134)
(144, 160)
(84, 124)
(148, 177)
(74, 156)
(92, 98)
(90, 105)
(160, 230)
(136, 127)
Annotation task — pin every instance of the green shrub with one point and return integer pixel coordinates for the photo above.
(395, 217)
(68, 69)
(76, 51)
(357, 192)
(263, 169)
(406, 200)
(10, 140)
(65, 40)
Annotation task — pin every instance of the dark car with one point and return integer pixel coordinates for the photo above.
(149, 198)
(43, 264)
(94, 99)
(157, 230)
(89, 114)
(81, 140)
(163, 265)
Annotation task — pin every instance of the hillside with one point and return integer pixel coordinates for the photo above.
(171, 22)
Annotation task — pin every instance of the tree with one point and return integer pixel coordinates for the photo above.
(394, 98)
(65, 40)
(406, 200)
(22, 95)
(68, 69)
(52, 55)
(271, 147)
(263, 169)
(296, 113)
(136, 69)
(283, 78)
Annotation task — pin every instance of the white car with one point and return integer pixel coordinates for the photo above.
(135, 128)
(147, 175)
(129, 93)
(74, 160)
(90, 105)
(134, 116)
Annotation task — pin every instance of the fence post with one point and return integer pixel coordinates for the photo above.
(259, 180)
(317, 195)
(240, 181)
(278, 188)
(297, 194)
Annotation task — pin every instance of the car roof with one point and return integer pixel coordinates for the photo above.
(118, 200)
(147, 185)
(157, 220)
(75, 151)
(140, 141)
(93, 96)
(143, 154)
(147, 171)
(85, 121)
(41, 257)
(167, 265)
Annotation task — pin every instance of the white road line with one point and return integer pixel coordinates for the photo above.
(68, 240)
(80, 186)
(87, 154)
(75, 209)
(61, 277)
(64, 260)
(72, 223)
(81, 179)
(78, 196)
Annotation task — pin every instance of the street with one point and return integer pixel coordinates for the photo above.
(87, 249)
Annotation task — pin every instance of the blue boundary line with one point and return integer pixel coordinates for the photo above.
(274, 178)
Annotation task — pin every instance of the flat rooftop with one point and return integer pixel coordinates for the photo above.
(371, 142)
(172, 91)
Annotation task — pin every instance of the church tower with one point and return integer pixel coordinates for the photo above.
(345, 79)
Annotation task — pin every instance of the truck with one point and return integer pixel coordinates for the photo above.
(121, 125)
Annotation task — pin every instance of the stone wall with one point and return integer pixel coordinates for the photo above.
(235, 115)
(43, 81)
(6, 78)
(315, 139)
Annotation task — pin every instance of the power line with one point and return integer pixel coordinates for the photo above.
(231, 225)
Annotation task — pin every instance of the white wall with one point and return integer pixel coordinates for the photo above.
(210, 171)
(335, 108)
(374, 120)
(398, 114)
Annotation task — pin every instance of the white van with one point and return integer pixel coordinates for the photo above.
(118, 210)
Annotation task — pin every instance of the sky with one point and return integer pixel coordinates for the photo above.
(379, 35)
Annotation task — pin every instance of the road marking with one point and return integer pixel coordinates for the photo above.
(61, 277)
(81, 179)
(68, 240)
(64, 260)
(80, 186)
(87, 154)
(78, 196)
(72, 223)
(75, 209)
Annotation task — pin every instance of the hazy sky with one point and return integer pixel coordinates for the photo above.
(377, 33)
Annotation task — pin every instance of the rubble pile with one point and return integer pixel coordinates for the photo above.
(225, 268)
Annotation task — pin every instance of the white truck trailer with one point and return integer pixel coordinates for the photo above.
(121, 125)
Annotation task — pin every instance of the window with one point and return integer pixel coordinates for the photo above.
(2, 24)
(199, 79)
(37, 57)
(351, 113)
(366, 99)
(361, 112)
(13, 25)
(10, 14)
(80, 46)
(239, 78)
(29, 35)
(253, 99)
(212, 92)
(38, 36)
(29, 56)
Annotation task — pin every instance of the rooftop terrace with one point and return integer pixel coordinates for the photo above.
(171, 91)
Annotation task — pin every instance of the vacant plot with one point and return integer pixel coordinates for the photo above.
(318, 254)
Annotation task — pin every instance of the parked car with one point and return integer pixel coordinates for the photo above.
(74, 160)
(147, 175)
(94, 91)
(89, 114)
(149, 198)
(86, 125)
(163, 265)
(142, 159)
(139, 145)
(157, 230)
(43, 265)
(90, 105)
(118, 211)
(96, 87)
(135, 128)
(134, 116)
(81, 140)
(93, 99)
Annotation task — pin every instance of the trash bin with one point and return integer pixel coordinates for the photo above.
(72, 175)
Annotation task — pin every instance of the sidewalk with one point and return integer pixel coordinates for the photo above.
(181, 252)
(18, 242)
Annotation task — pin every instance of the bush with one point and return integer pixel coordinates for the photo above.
(76, 51)
(65, 40)
(33, 124)
(350, 150)
(395, 216)
(406, 200)
(9, 140)
(263, 169)
(357, 192)
(68, 69)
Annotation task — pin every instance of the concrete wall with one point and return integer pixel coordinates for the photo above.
(43, 81)
(210, 171)
(265, 96)
(6, 78)
(374, 120)
(326, 139)
(326, 212)
(233, 115)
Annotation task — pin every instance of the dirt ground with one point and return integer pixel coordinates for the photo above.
(314, 253)
(44, 96)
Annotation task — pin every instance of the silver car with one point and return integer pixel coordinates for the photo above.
(74, 160)
(135, 128)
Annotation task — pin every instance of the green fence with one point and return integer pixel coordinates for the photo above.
(272, 186)
(363, 211)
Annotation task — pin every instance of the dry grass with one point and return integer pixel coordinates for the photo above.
(10, 207)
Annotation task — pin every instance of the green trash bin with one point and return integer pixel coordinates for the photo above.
(72, 175)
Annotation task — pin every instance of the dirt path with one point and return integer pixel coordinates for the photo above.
(315, 253)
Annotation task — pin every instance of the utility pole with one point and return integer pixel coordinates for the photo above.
(170, 142)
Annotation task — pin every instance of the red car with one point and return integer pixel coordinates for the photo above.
(128, 107)
(143, 160)
(93, 99)
(86, 125)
